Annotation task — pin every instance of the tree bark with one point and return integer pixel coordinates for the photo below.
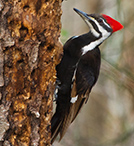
(29, 52)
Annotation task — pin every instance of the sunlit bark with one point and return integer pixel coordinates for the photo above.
(29, 52)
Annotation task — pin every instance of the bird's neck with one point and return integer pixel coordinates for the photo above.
(88, 38)
(81, 45)
(89, 42)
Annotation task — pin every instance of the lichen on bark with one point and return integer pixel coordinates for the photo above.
(29, 52)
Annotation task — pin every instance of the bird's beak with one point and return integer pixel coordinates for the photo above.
(84, 16)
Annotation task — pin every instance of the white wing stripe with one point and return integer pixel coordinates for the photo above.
(74, 99)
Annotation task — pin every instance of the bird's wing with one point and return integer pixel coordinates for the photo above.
(83, 79)
(84, 76)
(82, 84)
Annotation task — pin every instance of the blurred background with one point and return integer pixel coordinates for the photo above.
(108, 117)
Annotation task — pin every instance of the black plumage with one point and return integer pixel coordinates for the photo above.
(87, 71)
(79, 69)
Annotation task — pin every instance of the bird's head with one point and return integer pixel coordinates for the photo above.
(101, 26)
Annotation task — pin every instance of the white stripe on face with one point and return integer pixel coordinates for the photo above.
(105, 23)
(104, 32)
(105, 35)
(94, 32)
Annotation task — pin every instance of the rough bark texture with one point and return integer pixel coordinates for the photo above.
(29, 52)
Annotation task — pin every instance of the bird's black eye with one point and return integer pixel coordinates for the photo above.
(100, 20)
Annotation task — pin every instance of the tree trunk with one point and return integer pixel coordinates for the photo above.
(29, 52)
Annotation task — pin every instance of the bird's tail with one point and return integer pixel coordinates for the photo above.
(60, 122)
(56, 123)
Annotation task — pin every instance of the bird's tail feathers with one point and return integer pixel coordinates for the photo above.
(55, 126)
(61, 121)
(59, 125)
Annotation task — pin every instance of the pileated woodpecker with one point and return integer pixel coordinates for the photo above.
(78, 70)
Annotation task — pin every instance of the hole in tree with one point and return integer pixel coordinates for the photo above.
(23, 32)
(50, 47)
(26, 7)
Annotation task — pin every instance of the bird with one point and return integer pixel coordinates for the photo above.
(79, 69)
